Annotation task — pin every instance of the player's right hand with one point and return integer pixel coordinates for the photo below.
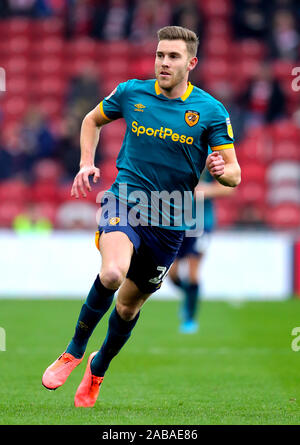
(81, 182)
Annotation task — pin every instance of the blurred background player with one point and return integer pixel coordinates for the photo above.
(192, 251)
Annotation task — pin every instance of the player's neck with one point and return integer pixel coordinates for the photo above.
(176, 92)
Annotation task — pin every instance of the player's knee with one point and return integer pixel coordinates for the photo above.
(127, 313)
(112, 277)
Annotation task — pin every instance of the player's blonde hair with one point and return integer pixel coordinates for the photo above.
(180, 33)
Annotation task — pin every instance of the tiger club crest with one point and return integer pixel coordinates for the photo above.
(191, 117)
(114, 221)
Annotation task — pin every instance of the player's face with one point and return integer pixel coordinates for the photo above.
(172, 63)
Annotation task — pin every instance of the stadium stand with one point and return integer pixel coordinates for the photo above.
(42, 55)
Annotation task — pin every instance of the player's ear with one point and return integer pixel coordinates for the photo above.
(192, 63)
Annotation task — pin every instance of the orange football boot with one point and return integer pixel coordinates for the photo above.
(88, 390)
(57, 373)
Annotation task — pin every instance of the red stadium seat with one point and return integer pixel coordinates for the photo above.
(108, 171)
(251, 214)
(49, 86)
(46, 66)
(115, 130)
(47, 170)
(9, 211)
(111, 69)
(218, 47)
(284, 193)
(282, 69)
(18, 84)
(251, 192)
(283, 216)
(52, 107)
(245, 68)
(250, 49)
(286, 150)
(120, 49)
(49, 46)
(226, 212)
(83, 47)
(218, 27)
(16, 27)
(285, 130)
(73, 67)
(14, 107)
(254, 172)
(45, 210)
(283, 172)
(251, 150)
(110, 84)
(111, 148)
(51, 27)
(215, 69)
(64, 192)
(16, 65)
(142, 68)
(44, 192)
(14, 191)
(18, 46)
(216, 8)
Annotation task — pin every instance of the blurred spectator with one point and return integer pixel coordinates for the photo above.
(188, 15)
(250, 18)
(296, 117)
(36, 140)
(22, 7)
(12, 159)
(112, 19)
(79, 17)
(6, 162)
(250, 216)
(29, 8)
(31, 221)
(4, 9)
(84, 91)
(67, 149)
(149, 16)
(263, 100)
(223, 92)
(77, 215)
(285, 38)
(42, 8)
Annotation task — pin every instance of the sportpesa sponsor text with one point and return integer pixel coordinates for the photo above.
(161, 132)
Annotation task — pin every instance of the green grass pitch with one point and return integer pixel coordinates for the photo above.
(239, 369)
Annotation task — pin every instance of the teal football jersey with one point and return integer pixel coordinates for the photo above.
(165, 145)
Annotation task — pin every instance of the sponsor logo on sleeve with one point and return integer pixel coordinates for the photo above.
(229, 128)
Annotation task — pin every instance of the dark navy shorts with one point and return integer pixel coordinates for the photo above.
(194, 246)
(155, 248)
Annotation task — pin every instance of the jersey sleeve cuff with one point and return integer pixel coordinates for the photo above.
(222, 147)
(102, 112)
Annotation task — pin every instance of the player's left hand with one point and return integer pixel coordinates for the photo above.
(215, 164)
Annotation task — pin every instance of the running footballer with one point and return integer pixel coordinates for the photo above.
(171, 124)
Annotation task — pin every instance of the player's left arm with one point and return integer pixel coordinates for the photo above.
(224, 167)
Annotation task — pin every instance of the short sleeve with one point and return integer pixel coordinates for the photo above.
(220, 133)
(111, 106)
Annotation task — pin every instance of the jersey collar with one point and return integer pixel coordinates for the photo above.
(183, 97)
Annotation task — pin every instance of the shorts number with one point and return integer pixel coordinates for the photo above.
(156, 280)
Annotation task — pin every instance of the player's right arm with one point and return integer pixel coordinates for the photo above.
(89, 138)
(213, 190)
